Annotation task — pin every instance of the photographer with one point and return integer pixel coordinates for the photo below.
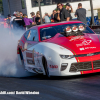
(57, 16)
(64, 15)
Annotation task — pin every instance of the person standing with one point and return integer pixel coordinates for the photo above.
(81, 13)
(18, 23)
(54, 12)
(21, 14)
(9, 20)
(37, 19)
(69, 9)
(46, 18)
(52, 16)
(64, 15)
(33, 16)
(28, 22)
(57, 16)
(13, 17)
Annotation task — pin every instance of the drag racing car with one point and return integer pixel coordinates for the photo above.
(60, 49)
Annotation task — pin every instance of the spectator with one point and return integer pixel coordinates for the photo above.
(28, 22)
(69, 9)
(18, 23)
(54, 12)
(33, 16)
(81, 13)
(16, 12)
(46, 18)
(64, 15)
(9, 20)
(37, 19)
(57, 15)
(21, 14)
(13, 17)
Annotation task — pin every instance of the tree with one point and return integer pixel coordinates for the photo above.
(1, 6)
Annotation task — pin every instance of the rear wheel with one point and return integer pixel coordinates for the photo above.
(45, 66)
(21, 56)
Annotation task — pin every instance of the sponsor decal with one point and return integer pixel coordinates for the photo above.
(90, 54)
(77, 38)
(84, 43)
(85, 48)
(30, 62)
(81, 49)
(29, 55)
(53, 66)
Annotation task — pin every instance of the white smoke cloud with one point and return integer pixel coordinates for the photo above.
(9, 65)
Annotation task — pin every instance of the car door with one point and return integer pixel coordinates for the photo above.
(31, 40)
(32, 37)
(22, 41)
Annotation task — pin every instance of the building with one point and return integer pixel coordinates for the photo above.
(27, 6)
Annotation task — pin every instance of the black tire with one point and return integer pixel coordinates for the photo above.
(21, 56)
(45, 66)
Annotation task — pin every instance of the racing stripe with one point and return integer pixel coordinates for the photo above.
(71, 51)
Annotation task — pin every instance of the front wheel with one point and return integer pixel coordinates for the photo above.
(45, 66)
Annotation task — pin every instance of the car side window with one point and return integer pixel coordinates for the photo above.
(33, 35)
(26, 34)
(46, 33)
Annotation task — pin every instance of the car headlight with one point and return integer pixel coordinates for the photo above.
(67, 56)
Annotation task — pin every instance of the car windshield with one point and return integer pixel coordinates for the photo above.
(49, 32)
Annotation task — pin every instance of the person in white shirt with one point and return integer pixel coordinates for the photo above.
(46, 18)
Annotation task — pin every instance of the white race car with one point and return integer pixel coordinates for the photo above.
(60, 49)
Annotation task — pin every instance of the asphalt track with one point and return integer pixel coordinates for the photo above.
(82, 87)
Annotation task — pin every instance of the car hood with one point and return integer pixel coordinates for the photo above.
(84, 44)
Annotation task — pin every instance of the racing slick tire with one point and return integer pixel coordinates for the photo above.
(45, 67)
(21, 57)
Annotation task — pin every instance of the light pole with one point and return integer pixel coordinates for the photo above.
(9, 7)
(92, 13)
(40, 11)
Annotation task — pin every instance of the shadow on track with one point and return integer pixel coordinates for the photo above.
(42, 77)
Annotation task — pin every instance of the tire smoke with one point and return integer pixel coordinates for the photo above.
(9, 65)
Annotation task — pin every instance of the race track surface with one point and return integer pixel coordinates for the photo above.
(83, 87)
